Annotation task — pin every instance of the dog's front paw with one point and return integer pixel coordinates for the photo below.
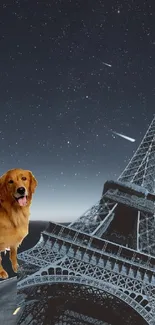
(15, 267)
(3, 273)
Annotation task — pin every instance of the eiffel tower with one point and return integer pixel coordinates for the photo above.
(105, 258)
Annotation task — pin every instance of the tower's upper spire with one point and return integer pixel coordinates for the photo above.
(141, 168)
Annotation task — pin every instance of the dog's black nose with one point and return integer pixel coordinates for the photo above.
(21, 190)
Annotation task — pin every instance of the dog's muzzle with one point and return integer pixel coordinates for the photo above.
(21, 196)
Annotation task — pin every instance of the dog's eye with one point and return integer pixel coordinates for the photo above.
(24, 178)
(10, 181)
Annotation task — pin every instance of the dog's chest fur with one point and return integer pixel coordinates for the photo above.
(13, 229)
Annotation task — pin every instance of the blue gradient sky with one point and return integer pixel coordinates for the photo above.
(59, 101)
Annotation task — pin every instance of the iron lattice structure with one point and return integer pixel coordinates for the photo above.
(110, 249)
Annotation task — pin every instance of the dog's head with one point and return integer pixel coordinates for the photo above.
(17, 187)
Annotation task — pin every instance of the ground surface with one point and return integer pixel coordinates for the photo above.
(8, 292)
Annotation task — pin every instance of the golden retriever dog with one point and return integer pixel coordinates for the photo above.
(16, 189)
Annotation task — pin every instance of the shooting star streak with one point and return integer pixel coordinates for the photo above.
(16, 311)
(124, 136)
(107, 64)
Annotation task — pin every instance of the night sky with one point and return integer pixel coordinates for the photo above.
(59, 101)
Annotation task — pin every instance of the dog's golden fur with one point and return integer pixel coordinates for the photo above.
(14, 218)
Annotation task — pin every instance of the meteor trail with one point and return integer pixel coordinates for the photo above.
(16, 311)
(124, 136)
(107, 64)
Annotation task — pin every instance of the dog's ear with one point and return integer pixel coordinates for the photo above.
(3, 189)
(33, 183)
